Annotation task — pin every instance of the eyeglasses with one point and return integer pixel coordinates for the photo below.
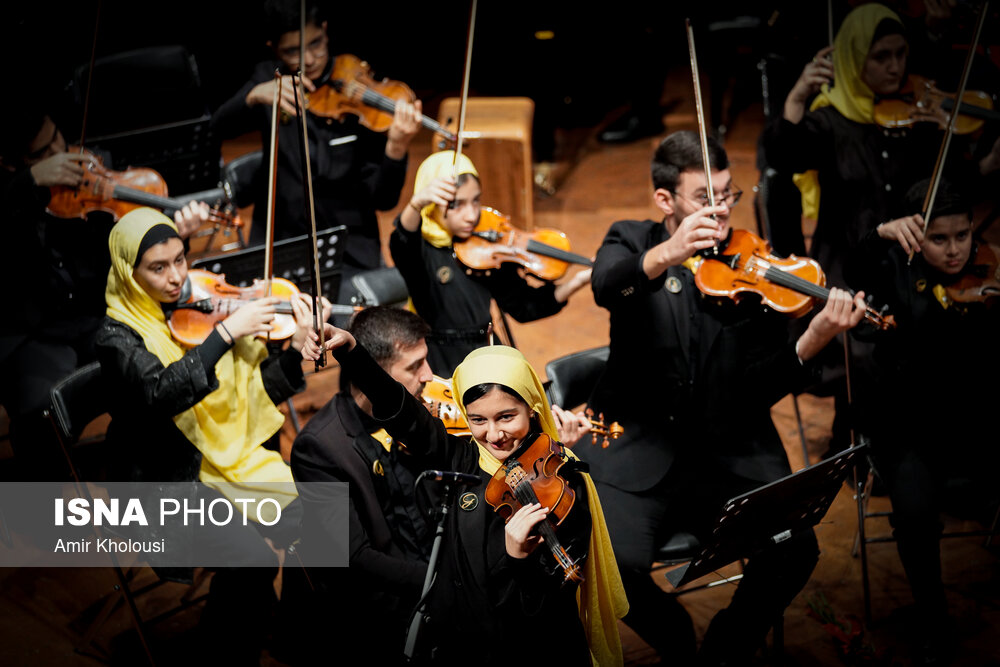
(730, 197)
(317, 47)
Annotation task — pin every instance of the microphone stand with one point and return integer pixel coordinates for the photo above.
(419, 618)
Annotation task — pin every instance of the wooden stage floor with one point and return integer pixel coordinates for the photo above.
(44, 611)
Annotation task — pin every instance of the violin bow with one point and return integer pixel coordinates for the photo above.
(90, 77)
(300, 94)
(272, 190)
(952, 116)
(829, 22)
(702, 134)
(466, 75)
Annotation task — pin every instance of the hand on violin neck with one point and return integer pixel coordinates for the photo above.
(60, 169)
(577, 282)
(263, 93)
(907, 231)
(517, 533)
(252, 318)
(816, 72)
(840, 313)
(406, 122)
(931, 114)
(571, 427)
(190, 218)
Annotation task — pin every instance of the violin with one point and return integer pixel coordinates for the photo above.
(438, 397)
(211, 299)
(543, 253)
(351, 89)
(920, 94)
(787, 285)
(531, 475)
(981, 281)
(118, 192)
(599, 428)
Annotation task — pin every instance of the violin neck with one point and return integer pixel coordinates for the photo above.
(793, 282)
(134, 196)
(525, 494)
(556, 253)
(379, 101)
(971, 110)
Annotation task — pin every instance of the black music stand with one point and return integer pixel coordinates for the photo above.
(292, 260)
(162, 123)
(769, 515)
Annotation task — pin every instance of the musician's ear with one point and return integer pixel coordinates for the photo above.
(665, 201)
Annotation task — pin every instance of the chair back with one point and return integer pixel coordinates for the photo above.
(239, 176)
(77, 400)
(573, 377)
(381, 287)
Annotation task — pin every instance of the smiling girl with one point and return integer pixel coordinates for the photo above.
(495, 579)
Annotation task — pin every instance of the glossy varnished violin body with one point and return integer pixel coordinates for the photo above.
(351, 89)
(212, 300)
(921, 95)
(544, 253)
(981, 280)
(531, 475)
(118, 192)
(438, 397)
(788, 285)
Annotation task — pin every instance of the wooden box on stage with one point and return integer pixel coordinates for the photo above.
(497, 139)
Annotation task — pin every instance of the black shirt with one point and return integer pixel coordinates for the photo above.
(351, 175)
(864, 173)
(455, 301)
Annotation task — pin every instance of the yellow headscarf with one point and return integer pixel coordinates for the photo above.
(601, 598)
(227, 426)
(438, 165)
(850, 95)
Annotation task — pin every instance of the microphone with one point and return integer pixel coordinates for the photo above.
(452, 477)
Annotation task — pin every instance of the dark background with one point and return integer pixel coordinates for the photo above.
(601, 58)
(594, 62)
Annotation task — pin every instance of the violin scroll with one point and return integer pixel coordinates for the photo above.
(599, 428)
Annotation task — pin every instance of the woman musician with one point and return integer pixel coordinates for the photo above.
(207, 413)
(455, 302)
(496, 579)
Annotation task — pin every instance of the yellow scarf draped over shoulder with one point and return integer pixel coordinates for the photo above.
(227, 426)
(438, 165)
(850, 95)
(601, 597)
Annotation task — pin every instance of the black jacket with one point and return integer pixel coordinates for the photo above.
(65, 261)
(482, 595)
(351, 175)
(146, 395)
(689, 377)
(864, 173)
(455, 301)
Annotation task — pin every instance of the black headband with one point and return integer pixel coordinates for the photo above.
(157, 234)
(888, 26)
